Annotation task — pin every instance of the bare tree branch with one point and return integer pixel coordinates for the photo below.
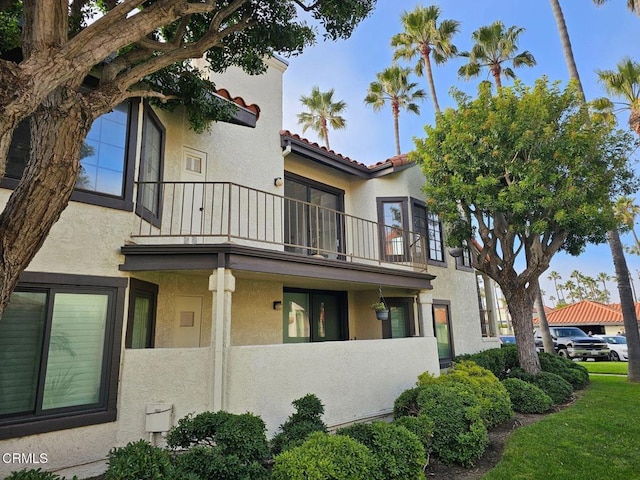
(307, 8)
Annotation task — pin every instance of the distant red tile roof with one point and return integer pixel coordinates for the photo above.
(588, 312)
(396, 161)
(224, 93)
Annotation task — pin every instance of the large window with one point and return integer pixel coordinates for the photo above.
(394, 240)
(314, 316)
(312, 212)
(57, 347)
(106, 159)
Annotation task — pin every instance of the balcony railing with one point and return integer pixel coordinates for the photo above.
(215, 212)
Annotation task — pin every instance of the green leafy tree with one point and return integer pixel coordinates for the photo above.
(131, 48)
(525, 172)
(393, 87)
(322, 113)
(424, 38)
(617, 252)
(494, 46)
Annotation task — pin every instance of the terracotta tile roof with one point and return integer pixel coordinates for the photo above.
(396, 161)
(588, 312)
(224, 93)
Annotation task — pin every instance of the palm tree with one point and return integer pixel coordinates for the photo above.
(604, 278)
(393, 86)
(617, 252)
(493, 47)
(633, 5)
(423, 37)
(555, 276)
(625, 83)
(626, 212)
(571, 288)
(322, 113)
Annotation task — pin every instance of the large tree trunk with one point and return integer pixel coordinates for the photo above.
(547, 340)
(58, 129)
(566, 44)
(634, 119)
(521, 309)
(427, 63)
(627, 305)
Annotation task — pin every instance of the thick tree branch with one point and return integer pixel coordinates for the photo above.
(307, 8)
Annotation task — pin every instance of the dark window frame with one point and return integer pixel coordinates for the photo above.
(415, 203)
(124, 202)
(154, 218)
(140, 288)
(344, 318)
(339, 193)
(380, 201)
(444, 362)
(464, 262)
(410, 324)
(18, 425)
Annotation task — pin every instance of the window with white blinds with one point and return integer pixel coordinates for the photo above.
(52, 350)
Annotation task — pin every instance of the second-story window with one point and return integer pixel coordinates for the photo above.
(149, 204)
(106, 159)
(313, 220)
(429, 227)
(392, 217)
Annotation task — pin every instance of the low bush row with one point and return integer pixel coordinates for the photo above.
(448, 416)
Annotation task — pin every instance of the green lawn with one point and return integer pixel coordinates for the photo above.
(618, 368)
(596, 438)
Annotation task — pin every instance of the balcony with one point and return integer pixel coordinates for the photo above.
(207, 213)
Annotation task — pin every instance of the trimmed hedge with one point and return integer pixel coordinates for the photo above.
(35, 474)
(325, 457)
(554, 385)
(422, 427)
(139, 461)
(306, 420)
(460, 435)
(526, 397)
(399, 454)
(572, 372)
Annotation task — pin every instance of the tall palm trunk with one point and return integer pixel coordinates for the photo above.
(496, 72)
(622, 275)
(426, 50)
(566, 43)
(634, 119)
(628, 307)
(395, 109)
(325, 133)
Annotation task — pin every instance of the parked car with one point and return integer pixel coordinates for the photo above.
(507, 339)
(617, 346)
(571, 342)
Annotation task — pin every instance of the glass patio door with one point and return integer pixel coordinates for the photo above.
(312, 221)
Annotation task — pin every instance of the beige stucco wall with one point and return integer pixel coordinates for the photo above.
(353, 380)
(64, 448)
(179, 377)
(254, 321)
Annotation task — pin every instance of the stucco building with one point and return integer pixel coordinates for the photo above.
(228, 270)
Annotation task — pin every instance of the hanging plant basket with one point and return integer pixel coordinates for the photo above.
(382, 315)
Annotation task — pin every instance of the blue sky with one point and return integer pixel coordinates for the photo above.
(601, 36)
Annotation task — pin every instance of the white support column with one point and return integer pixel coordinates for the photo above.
(425, 310)
(489, 298)
(222, 284)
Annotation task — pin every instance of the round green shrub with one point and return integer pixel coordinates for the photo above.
(139, 461)
(210, 463)
(554, 385)
(325, 457)
(511, 360)
(422, 426)
(492, 359)
(492, 395)
(399, 454)
(526, 397)
(460, 435)
(407, 403)
(575, 374)
(519, 373)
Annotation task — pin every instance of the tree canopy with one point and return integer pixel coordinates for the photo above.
(526, 171)
(64, 63)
